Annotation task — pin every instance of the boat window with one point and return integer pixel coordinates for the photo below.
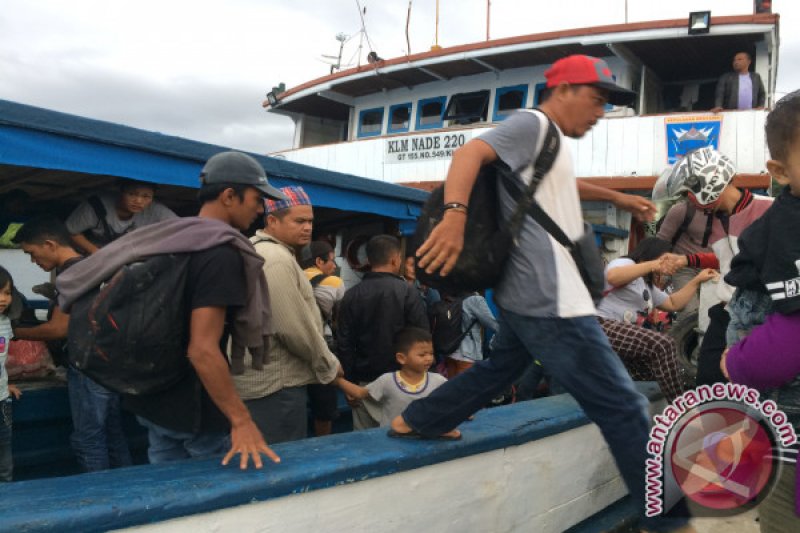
(537, 93)
(370, 122)
(430, 112)
(466, 108)
(399, 118)
(508, 99)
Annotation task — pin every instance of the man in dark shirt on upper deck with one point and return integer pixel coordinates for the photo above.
(740, 89)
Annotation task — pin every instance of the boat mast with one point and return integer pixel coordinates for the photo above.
(488, 13)
(436, 33)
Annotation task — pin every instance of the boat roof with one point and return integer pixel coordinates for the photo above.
(44, 148)
(664, 46)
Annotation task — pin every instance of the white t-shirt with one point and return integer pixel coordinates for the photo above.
(541, 278)
(623, 303)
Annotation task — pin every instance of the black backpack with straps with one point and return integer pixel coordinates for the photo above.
(446, 318)
(130, 333)
(487, 239)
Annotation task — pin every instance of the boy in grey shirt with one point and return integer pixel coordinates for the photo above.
(395, 390)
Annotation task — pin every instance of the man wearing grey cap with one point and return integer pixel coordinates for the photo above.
(201, 414)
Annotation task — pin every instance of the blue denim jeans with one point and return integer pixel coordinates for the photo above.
(97, 438)
(166, 445)
(6, 459)
(576, 353)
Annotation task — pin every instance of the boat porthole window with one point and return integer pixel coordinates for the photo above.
(430, 112)
(507, 100)
(370, 122)
(399, 118)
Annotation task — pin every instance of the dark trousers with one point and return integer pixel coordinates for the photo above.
(281, 416)
(708, 371)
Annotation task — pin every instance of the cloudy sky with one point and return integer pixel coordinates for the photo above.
(200, 69)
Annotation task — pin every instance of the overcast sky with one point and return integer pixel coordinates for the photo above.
(200, 69)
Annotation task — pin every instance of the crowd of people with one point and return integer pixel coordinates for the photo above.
(272, 329)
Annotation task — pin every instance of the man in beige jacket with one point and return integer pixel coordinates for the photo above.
(275, 392)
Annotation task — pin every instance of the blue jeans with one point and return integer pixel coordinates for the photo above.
(576, 353)
(166, 445)
(97, 438)
(6, 459)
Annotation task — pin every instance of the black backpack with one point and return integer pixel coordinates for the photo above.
(446, 326)
(487, 239)
(130, 334)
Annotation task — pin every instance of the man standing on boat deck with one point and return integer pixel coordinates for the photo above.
(97, 438)
(547, 312)
(298, 355)
(199, 413)
(371, 314)
(740, 89)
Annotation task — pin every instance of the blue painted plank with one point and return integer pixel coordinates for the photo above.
(152, 493)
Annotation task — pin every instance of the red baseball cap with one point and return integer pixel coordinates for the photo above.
(587, 70)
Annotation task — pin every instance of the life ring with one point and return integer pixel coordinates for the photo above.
(354, 250)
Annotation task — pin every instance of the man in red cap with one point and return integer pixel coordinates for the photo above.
(547, 312)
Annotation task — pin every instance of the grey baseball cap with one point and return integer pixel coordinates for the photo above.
(237, 167)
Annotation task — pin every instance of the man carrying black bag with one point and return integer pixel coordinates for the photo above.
(547, 310)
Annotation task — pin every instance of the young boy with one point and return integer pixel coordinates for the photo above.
(769, 261)
(395, 390)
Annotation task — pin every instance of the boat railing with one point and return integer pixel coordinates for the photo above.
(533, 466)
(634, 146)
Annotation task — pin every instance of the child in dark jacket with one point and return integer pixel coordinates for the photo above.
(768, 263)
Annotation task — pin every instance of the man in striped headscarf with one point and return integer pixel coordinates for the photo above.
(273, 385)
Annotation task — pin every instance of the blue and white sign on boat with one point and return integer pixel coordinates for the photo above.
(687, 133)
(427, 147)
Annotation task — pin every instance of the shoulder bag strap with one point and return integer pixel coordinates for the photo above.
(100, 212)
(687, 220)
(550, 226)
(544, 162)
(707, 233)
(467, 331)
(316, 280)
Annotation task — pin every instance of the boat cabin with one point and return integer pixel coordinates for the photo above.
(399, 120)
